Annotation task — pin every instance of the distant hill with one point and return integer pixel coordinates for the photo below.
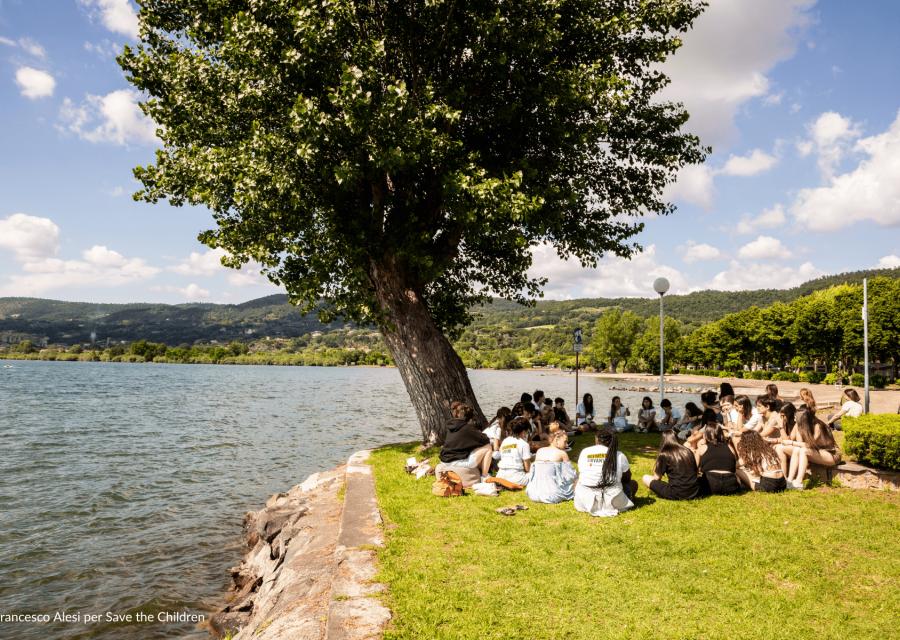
(73, 322)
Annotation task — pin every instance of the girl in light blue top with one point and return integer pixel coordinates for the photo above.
(552, 477)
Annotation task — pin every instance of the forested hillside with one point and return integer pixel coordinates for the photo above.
(498, 325)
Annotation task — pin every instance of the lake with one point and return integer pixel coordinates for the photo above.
(123, 486)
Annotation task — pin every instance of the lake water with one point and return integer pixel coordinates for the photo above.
(123, 486)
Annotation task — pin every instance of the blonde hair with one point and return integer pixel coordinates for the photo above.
(558, 435)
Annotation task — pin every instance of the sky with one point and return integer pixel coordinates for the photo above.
(799, 100)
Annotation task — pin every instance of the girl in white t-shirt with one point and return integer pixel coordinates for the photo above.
(496, 429)
(647, 416)
(515, 455)
(851, 407)
(605, 487)
(618, 415)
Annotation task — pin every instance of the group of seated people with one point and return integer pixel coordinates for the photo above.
(727, 445)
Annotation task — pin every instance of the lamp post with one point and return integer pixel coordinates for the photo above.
(661, 285)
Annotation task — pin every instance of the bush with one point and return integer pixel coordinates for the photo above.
(874, 440)
(759, 375)
(786, 376)
(878, 381)
(834, 378)
(857, 379)
(813, 377)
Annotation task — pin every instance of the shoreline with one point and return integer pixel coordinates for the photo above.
(881, 400)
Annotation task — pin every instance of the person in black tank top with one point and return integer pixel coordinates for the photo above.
(677, 462)
(717, 461)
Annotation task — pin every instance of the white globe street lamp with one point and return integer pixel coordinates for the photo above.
(661, 285)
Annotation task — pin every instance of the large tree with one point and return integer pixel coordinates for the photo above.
(396, 161)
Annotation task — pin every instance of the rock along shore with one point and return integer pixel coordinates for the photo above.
(308, 573)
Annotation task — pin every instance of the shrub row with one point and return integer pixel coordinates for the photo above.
(874, 440)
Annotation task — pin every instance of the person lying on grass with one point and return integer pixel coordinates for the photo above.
(465, 444)
(604, 486)
(552, 477)
(811, 441)
(515, 455)
(678, 463)
(716, 459)
(760, 469)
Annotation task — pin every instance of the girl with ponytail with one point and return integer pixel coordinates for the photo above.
(605, 487)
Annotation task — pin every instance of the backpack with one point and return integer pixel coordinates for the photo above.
(447, 485)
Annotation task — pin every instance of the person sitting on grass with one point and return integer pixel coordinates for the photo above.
(772, 392)
(515, 456)
(811, 441)
(696, 436)
(537, 399)
(618, 415)
(584, 413)
(552, 477)
(744, 413)
(690, 419)
(760, 469)
(604, 486)
(465, 445)
(710, 400)
(851, 407)
(678, 463)
(561, 415)
(670, 416)
(647, 416)
(716, 460)
(496, 429)
(769, 420)
(547, 413)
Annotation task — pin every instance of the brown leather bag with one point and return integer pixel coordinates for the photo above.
(447, 485)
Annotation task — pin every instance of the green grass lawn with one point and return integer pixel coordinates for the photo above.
(820, 563)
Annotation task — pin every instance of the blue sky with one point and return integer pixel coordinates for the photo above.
(798, 98)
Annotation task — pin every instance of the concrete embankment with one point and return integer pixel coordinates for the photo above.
(308, 573)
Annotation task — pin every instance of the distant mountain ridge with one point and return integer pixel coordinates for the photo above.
(73, 322)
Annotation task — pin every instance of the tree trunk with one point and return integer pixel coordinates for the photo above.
(432, 371)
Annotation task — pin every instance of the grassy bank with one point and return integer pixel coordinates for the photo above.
(821, 563)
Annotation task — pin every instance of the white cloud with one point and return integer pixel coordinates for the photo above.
(742, 276)
(726, 56)
(694, 185)
(762, 248)
(115, 118)
(29, 237)
(694, 252)
(192, 292)
(32, 48)
(29, 46)
(830, 137)
(613, 277)
(249, 276)
(104, 49)
(755, 163)
(889, 262)
(201, 264)
(35, 83)
(773, 99)
(116, 15)
(768, 219)
(871, 191)
(99, 267)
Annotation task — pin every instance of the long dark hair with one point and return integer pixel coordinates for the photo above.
(612, 407)
(673, 452)
(502, 418)
(789, 411)
(588, 402)
(806, 430)
(744, 406)
(713, 433)
(609, 439)
(692, 410)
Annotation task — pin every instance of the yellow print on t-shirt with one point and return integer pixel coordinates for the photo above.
(596, 458)
(508, 447)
